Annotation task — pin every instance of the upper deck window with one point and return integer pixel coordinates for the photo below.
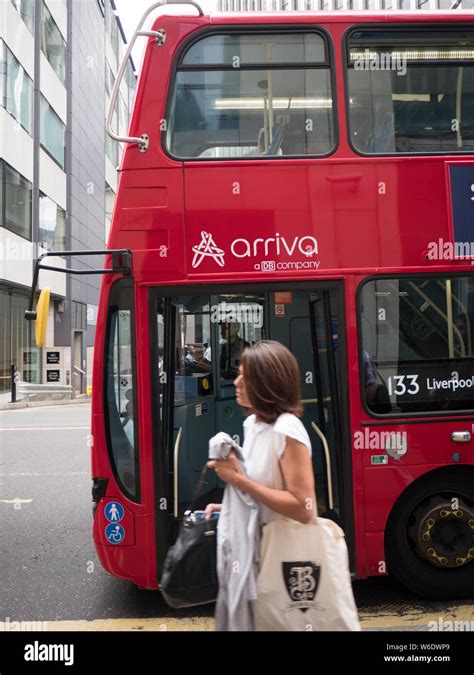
(252, 95)
(411, 91)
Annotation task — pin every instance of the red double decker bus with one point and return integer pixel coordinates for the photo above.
(306, 178)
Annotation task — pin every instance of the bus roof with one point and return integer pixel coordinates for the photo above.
(341, 16)
(387, 16)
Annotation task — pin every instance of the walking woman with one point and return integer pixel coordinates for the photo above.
(268, 388)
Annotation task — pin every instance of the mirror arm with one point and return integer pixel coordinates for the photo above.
(121, 264)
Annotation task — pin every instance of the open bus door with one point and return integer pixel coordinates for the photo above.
(196, 395)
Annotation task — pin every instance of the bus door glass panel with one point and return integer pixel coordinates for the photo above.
(193, 410)
(417, 345)
(121, 409)
(327, 373)
(238, 322)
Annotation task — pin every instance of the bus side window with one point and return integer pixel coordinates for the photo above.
(121, 404)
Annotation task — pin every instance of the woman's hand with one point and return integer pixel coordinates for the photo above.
(210, 508)
(228, 469)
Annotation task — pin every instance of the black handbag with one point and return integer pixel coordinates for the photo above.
(190, 569)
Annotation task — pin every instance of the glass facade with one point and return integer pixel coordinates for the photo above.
(16, 87)
(52, 225)
(111, 147)
(52, 132)
(26, 9)
(15, 341)
(15, 201)
(53, 44)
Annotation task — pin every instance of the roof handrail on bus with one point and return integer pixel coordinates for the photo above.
(160, 36)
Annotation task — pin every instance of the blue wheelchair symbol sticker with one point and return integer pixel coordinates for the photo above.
(115, 533)
(114, 512)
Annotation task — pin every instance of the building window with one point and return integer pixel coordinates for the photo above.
(131, 80)
(109, 79)
(222, 111)
(15, 201)
(26, 9)
(52, 225)
(112, 31)
(109, 201)
(18, 90)
(111, 146)
(53, 44)
(122, 113)
(52, 133)
(16, 341)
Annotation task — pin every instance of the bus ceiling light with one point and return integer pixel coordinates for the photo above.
(277, 103)
(143, 140)
(414, 55)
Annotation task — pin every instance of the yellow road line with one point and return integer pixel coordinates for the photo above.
(163, 624)
(415, 618)
(411, 619)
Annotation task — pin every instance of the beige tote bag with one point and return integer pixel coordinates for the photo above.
(304, 581)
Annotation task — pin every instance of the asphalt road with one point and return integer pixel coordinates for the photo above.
(49, 569)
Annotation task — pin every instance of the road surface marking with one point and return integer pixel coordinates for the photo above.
(392, 621)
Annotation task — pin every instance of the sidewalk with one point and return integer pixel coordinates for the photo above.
(5, 402)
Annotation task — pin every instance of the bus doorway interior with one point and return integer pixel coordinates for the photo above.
(199, 339)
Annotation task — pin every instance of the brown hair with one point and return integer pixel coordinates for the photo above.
(272, 380)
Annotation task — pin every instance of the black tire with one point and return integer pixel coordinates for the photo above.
(404, 559)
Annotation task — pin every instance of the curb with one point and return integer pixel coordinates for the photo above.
(20, 405)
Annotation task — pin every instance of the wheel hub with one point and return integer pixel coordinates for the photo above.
(443, 535)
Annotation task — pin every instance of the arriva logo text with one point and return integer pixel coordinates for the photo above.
(245, 248)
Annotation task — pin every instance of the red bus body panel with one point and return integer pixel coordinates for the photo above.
(368, 215)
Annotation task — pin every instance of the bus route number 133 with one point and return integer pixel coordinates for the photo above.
(403, 384)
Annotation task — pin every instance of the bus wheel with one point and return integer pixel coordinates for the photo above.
(429, 538)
